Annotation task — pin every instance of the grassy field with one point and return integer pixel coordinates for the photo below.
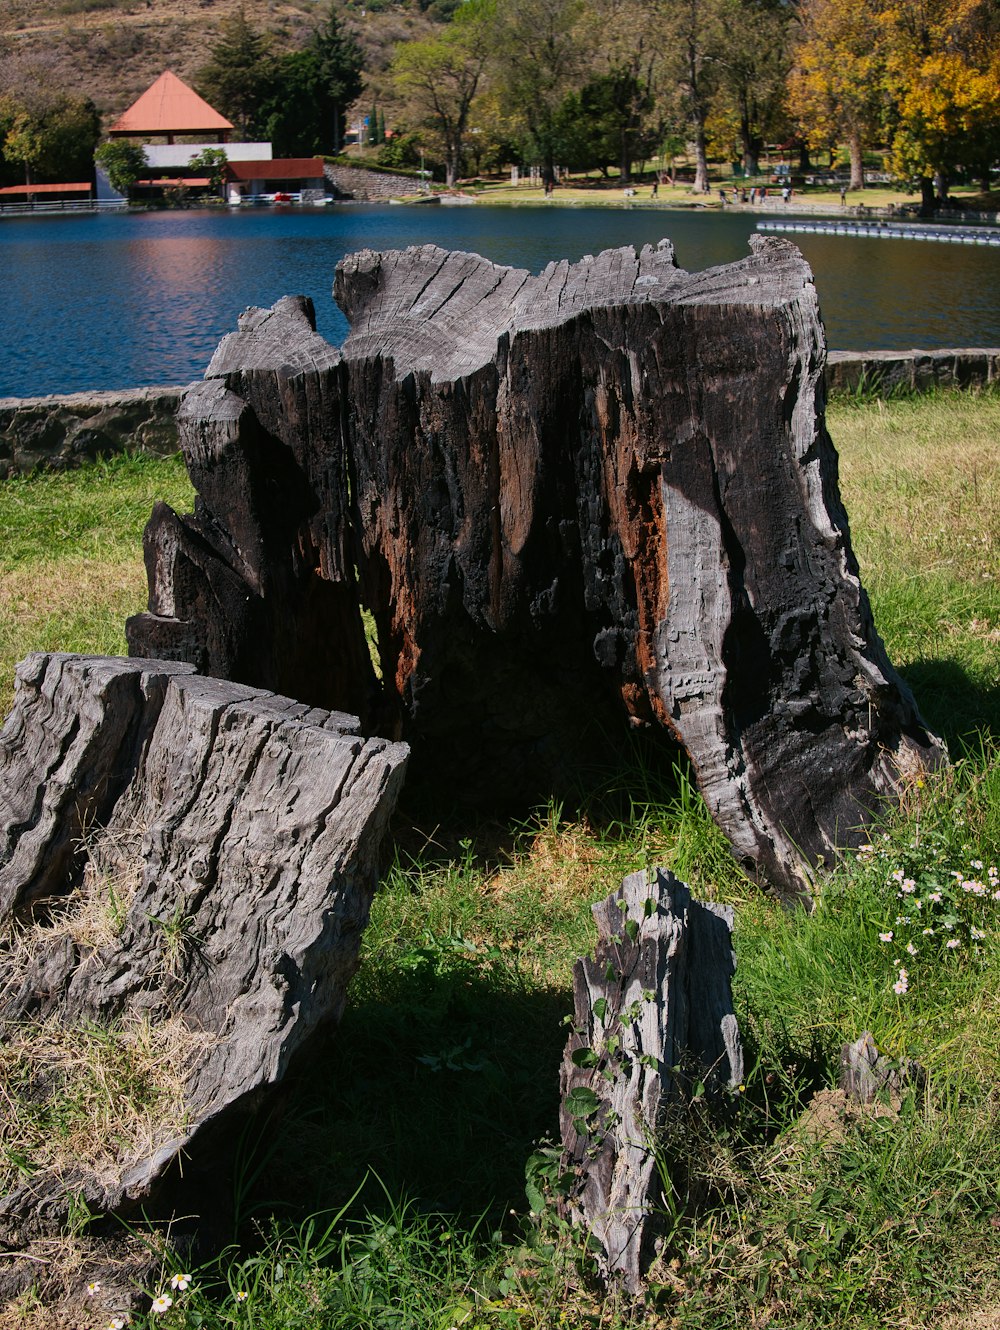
(406, 1183)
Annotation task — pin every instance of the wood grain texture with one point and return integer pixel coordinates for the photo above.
(597, 497)
(653, 1013)
(258, 822)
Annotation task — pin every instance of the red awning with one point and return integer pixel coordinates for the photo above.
(277, 168)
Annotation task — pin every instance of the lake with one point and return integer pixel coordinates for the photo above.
(124, 300)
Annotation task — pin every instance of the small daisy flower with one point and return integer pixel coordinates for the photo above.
(885, 937)
(116, 1323)
(977, 934)
(181, 1282)
(242, 1296)
(901, 984)
(911, 948)
(162, 1304)
(952, 943)
(977, 864)
(928, 932)
(93, 1287)
(898, 875)
(908, 886)
(935, 896)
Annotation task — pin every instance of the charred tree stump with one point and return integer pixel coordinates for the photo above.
(186, 851)
(653, 1013)
(597, 497)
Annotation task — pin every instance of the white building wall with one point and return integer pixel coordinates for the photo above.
(164, 156)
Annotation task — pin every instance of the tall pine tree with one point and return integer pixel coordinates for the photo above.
(237, 79)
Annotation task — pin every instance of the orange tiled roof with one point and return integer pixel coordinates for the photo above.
(166, 181)
(81, 187)
(169, 106)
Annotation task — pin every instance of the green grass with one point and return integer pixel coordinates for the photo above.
(71, 557)
(390, 1191)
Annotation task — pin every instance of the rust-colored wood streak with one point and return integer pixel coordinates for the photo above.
(601, 495)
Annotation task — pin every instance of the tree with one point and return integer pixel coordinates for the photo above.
(213, 161)
(837, 82)
(123, 164)
(628, 69)
(612, 111)
(439, 78)
(52, 138)
(754, 62)
(311, 91)
(695, 37)
(942, 62)
(237, 78)
(541, 50)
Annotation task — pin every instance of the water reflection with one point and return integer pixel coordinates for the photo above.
(120, 301)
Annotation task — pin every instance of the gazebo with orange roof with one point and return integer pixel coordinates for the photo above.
(170, 107)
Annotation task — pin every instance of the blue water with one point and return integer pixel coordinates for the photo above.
(120, 301)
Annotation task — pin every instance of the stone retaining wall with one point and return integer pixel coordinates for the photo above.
(369, 186)
(883, 372)
(59, 432)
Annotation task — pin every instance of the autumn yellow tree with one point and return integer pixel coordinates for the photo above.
(836, 86)
(942, 60)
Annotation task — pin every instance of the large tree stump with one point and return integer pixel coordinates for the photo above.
(653, 1014)
(187, 852)
(599, 496)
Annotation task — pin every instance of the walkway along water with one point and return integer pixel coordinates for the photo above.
(947, 234)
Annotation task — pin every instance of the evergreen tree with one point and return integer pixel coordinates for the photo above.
(311, 92)
(237, 79)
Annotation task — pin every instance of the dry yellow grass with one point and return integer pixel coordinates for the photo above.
(90, 1098)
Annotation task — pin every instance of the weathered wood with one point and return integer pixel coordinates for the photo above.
(258, 584)
(865, 1073)
(597, 497)
(256, 822)
(653, 1014)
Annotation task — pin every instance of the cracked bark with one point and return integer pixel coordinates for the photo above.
(600, 496)
(653, 1015)
(257, 822)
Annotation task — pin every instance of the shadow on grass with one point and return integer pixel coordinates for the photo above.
(954, 704)
(442, 1077)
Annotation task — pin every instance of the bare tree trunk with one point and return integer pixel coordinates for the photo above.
(857, 160)
(701, 185)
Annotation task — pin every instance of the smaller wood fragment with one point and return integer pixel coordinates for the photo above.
(250, 827)
(653, 1009)
(865, 1073)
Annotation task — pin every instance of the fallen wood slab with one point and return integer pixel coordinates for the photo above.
(599, 497)
(186, 866)
(653, 1022)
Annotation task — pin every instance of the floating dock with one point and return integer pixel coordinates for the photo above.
(951, 235)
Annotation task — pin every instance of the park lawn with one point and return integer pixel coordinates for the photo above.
(393, 1192)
